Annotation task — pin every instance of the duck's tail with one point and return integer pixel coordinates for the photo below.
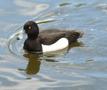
(73, 36)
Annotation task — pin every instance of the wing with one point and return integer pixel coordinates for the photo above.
(50, 36)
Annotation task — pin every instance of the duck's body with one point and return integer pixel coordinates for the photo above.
(47, 40)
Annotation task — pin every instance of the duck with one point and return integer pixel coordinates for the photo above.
(48, 40)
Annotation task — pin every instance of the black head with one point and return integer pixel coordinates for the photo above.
(31, 29)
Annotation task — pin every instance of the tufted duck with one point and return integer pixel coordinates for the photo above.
(47, 40)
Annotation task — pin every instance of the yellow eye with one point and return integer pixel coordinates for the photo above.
(29, 27)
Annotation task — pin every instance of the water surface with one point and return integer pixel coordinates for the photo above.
(83, 66)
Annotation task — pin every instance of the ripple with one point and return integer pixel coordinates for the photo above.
(102, 7)
(29, 8)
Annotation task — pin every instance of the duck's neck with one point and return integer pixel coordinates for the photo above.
(32, 36)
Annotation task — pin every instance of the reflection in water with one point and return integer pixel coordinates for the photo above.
(34, 59)
(76, 44)
(34, 63)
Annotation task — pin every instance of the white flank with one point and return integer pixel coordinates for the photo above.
(60, 44)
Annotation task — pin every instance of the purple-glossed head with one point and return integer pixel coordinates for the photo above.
(31, 29)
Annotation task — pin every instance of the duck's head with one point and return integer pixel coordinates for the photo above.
(31, 29)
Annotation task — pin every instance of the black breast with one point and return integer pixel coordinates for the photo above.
(32, 45)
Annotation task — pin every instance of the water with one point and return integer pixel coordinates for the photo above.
(83, 66)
